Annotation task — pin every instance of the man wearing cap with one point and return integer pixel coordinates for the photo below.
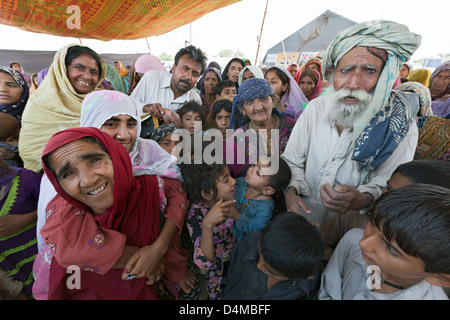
(347, 143)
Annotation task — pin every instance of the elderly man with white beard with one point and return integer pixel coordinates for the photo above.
(346, 144)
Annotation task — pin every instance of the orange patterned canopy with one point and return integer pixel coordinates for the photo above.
(105, 20)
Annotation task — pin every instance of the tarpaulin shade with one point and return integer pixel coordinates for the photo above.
(105, 20)
(312, 37)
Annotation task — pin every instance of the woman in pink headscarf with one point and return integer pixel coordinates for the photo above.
(143, 64)
(310, 83)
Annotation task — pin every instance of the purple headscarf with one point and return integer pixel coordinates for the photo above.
(293, 98)
(41, 75)
(443, 66)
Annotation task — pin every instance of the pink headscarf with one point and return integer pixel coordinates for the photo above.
(148, 62)
(318, 88)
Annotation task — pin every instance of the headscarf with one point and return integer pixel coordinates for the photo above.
(41, 75)
(318, 88)
(443, 66)
(147, 157)
(123, 72)
(257, 72)
(251, 89)
(161, 132)
(399, 44)
(202, 79)
(424, 96)
(135, 213)
(421, 76)
(143, 64)
(148, 62)
(293, 98)
(116, 80)
(16, 109)
(298, 69)
(54, 106)
(317, 61)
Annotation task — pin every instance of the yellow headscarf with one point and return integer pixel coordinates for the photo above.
(54, 106)
(123, 72)
(421, 76)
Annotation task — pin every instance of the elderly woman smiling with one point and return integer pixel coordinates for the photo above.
(92, 174)
(256, 101)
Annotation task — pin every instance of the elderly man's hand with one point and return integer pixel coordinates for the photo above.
(343, 198)
(294, 203)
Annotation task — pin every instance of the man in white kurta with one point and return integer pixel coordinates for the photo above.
(346, 144)
(317, 155)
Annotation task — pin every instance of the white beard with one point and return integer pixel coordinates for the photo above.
(345, 115)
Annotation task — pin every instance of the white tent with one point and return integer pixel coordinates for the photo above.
(308, 40)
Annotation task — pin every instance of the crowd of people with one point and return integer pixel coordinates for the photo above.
(324, 180)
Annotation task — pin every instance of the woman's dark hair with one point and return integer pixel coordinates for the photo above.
(417, 218)
(292, 246)
(224, 104)
(309, 73)
(198, 177)
(76, 51)
(227, 67)
(283, 77)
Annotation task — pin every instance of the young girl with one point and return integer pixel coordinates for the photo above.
(210, 190)
(256, 194)
(219, 117)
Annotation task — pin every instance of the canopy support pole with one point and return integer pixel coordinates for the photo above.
(260, 34)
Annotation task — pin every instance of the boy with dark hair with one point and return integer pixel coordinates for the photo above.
(402, 254)
(281, 262)
(436, 172)
(189, 113)
(226, 88)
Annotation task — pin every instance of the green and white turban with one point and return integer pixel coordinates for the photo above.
(399, 44)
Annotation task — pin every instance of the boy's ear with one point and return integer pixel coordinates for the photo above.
(268, 191)
(206, 195)
(438, 279)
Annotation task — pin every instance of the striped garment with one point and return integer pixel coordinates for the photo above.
(18, 250)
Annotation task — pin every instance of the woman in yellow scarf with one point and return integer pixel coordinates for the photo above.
(421, 75)
(56, 104)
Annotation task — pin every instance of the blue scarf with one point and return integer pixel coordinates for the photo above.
(385, 131)
(250, 89)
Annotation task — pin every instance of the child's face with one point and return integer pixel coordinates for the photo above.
(229, 92)
(225, 185)
(188, 120)
(223, 120)
(167, 144)
(257, 176)
(393, 262)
